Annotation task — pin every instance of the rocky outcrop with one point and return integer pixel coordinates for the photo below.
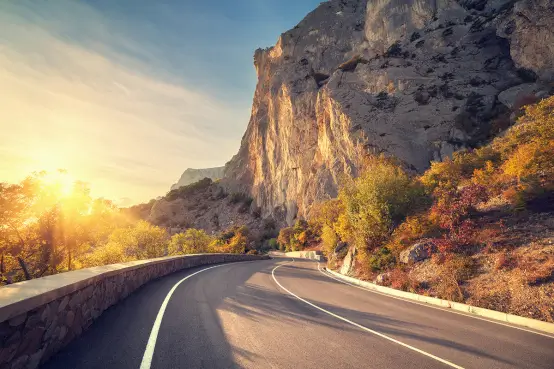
(206, 205)
(418, 252)
(416, 79)
(529, 29)
(349, 262)
(194, 175)
(382, 279)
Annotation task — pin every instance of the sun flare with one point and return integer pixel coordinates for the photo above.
(60, 181)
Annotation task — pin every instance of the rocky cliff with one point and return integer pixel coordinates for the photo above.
(416, 79)
(194, 175)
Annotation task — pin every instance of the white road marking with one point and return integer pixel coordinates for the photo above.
(431, 306)
(361, 326)
(151, 345)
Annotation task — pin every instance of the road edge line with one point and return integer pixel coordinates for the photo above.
(474, 312)
(151, 344)
(361, 326)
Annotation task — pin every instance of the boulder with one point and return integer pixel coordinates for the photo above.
(340, 246)
(382, 279)
(418, 252)
(512, 95)
(349, 262)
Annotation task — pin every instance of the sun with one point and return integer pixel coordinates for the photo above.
(60, 181)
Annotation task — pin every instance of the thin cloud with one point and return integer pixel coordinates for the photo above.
(73, 107)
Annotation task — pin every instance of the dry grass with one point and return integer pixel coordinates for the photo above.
(513, 272)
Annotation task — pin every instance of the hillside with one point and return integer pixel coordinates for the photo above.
(477, 228)
(357, 78)
(191, 175)
(416, 80)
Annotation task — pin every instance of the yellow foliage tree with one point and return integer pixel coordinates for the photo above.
(192, 241)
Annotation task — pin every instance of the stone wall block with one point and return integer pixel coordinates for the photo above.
(18, 320)
(63, 304)
(51, 329)
(77, 324)
(20, 362)
(34, 359)
(7, 354)
(5, 331)
(31, 341)
(69, 318)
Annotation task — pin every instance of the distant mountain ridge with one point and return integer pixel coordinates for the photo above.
(192, 175)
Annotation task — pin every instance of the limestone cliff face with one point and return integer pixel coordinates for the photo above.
(416, 79)
(194, 175)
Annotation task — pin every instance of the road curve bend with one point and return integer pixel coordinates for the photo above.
(281, 313)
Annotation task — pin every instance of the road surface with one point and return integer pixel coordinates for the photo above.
(282, 314)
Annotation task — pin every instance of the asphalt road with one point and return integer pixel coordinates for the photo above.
(278, 314)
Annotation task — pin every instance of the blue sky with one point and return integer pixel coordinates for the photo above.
(127, 94)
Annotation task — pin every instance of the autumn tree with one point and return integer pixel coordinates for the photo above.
(192, 241)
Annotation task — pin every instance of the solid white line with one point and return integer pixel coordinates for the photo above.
(149, 352)
(363, 327)
(447, 310)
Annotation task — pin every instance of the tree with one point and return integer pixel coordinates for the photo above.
(329, 238)
(377, 201)
(285, 237)
(141, 241)
(110, 253)
(192, 241)
(237, 244)
(29, 214)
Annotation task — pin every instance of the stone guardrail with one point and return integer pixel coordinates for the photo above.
(538, 325)
(312, 255)
(41, 316)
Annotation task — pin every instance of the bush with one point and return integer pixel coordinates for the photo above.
(377, 200)
(296, 238)
(237, 244)
(330, 239)
(400, 280)
(451, 211)
(192, 241)
(381, 259)
(413, 228)
(454, 271)
(141, 241)
(111, 253)
(272, 243)
(285, 235)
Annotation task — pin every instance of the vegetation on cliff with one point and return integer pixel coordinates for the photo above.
(465, 210)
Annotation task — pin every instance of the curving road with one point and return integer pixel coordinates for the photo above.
(282, 314)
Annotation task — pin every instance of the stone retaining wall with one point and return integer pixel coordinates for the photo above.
(313, 255)
(41, 316)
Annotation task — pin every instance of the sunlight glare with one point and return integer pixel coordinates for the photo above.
(61, 181)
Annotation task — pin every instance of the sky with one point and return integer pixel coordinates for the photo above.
(127, 94)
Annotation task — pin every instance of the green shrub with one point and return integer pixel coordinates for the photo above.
(381, 259)
(272, 243)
